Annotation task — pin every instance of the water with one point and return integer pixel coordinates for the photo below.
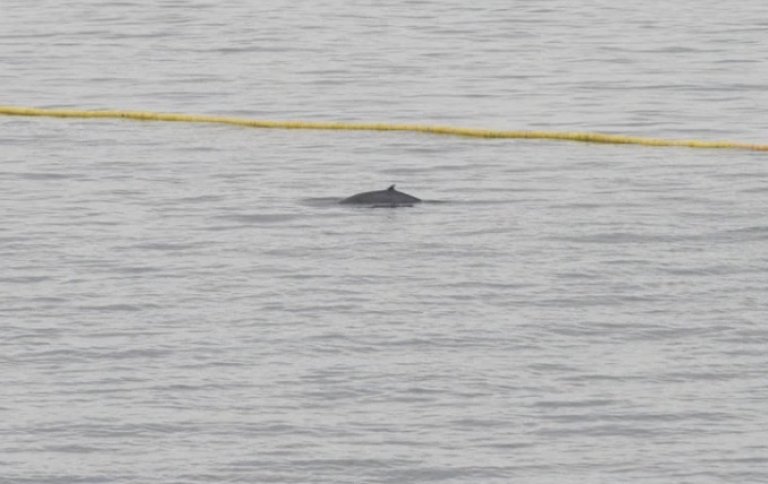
(185, 303)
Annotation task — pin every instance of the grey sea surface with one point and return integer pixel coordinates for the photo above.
(186, 303)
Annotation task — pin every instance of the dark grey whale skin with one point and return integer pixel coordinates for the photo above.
(382, 198)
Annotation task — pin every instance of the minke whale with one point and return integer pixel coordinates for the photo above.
(382, 198)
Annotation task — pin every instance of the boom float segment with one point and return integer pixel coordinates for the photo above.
(416, 128)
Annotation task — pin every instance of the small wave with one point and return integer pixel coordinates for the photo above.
(261, 218)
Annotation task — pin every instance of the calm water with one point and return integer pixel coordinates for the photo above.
(187, 304)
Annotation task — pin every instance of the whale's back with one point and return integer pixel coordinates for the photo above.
(383, 198)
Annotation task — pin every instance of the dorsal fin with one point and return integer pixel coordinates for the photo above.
(391, 188)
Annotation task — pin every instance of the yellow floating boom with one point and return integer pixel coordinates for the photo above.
(417, 128)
